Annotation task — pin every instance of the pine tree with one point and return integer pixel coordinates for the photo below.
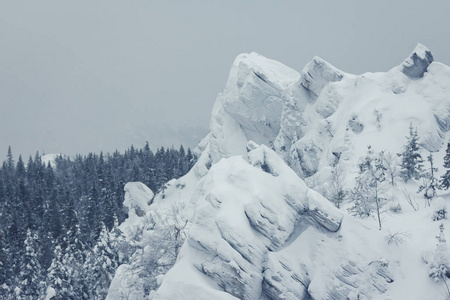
(411, 164)
(444, 183)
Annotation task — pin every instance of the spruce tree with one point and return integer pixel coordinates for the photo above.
(444, 183)
(30, 279)
(57, 278)
(411, 164)
(101, 262)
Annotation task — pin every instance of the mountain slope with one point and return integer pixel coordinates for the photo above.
(253, 229)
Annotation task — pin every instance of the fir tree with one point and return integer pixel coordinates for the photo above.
(411, 164)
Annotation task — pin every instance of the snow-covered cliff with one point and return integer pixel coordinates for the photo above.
(251, 215)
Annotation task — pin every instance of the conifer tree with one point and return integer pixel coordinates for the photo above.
(101, 262)
(429, 182)
(57, 278)
(10, 162)
(440, 262)
(5, 265)
(411, 164)
(74, 258)
(30, 279)
(445, 178)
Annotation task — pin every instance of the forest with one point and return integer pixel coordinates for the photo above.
(58, 221)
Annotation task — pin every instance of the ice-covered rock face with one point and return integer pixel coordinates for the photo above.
(417, 63)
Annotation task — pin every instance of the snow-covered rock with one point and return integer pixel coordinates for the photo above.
(253, 228)
(417, 63)
(137, 203)
(246, 207)
(137, 198)
(317, 74)
(250, 106)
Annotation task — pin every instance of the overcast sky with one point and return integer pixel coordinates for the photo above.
(82, 76)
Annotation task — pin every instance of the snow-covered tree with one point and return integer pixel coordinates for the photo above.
(444, 183)
(336, 191)
(411, 164)
(74, 257)
(439, 265)
(30, 280)
(57, 275)
(370, 191)
(67, 275)
(101, 262)
(390, 162)
(429, 184)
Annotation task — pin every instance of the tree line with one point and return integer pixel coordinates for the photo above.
(57, 219)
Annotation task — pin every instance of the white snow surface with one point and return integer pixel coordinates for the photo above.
(257, 224)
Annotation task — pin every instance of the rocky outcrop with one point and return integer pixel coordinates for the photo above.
(317, 74)
(417, 63)
(250, 106)
(246, 212)
(255, 230)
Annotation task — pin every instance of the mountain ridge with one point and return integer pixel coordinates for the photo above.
(273, 125)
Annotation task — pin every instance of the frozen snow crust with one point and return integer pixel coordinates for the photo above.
(251, 212)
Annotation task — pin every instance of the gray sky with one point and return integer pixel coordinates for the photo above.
(81, 76)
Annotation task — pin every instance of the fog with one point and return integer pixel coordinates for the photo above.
(82, 76)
